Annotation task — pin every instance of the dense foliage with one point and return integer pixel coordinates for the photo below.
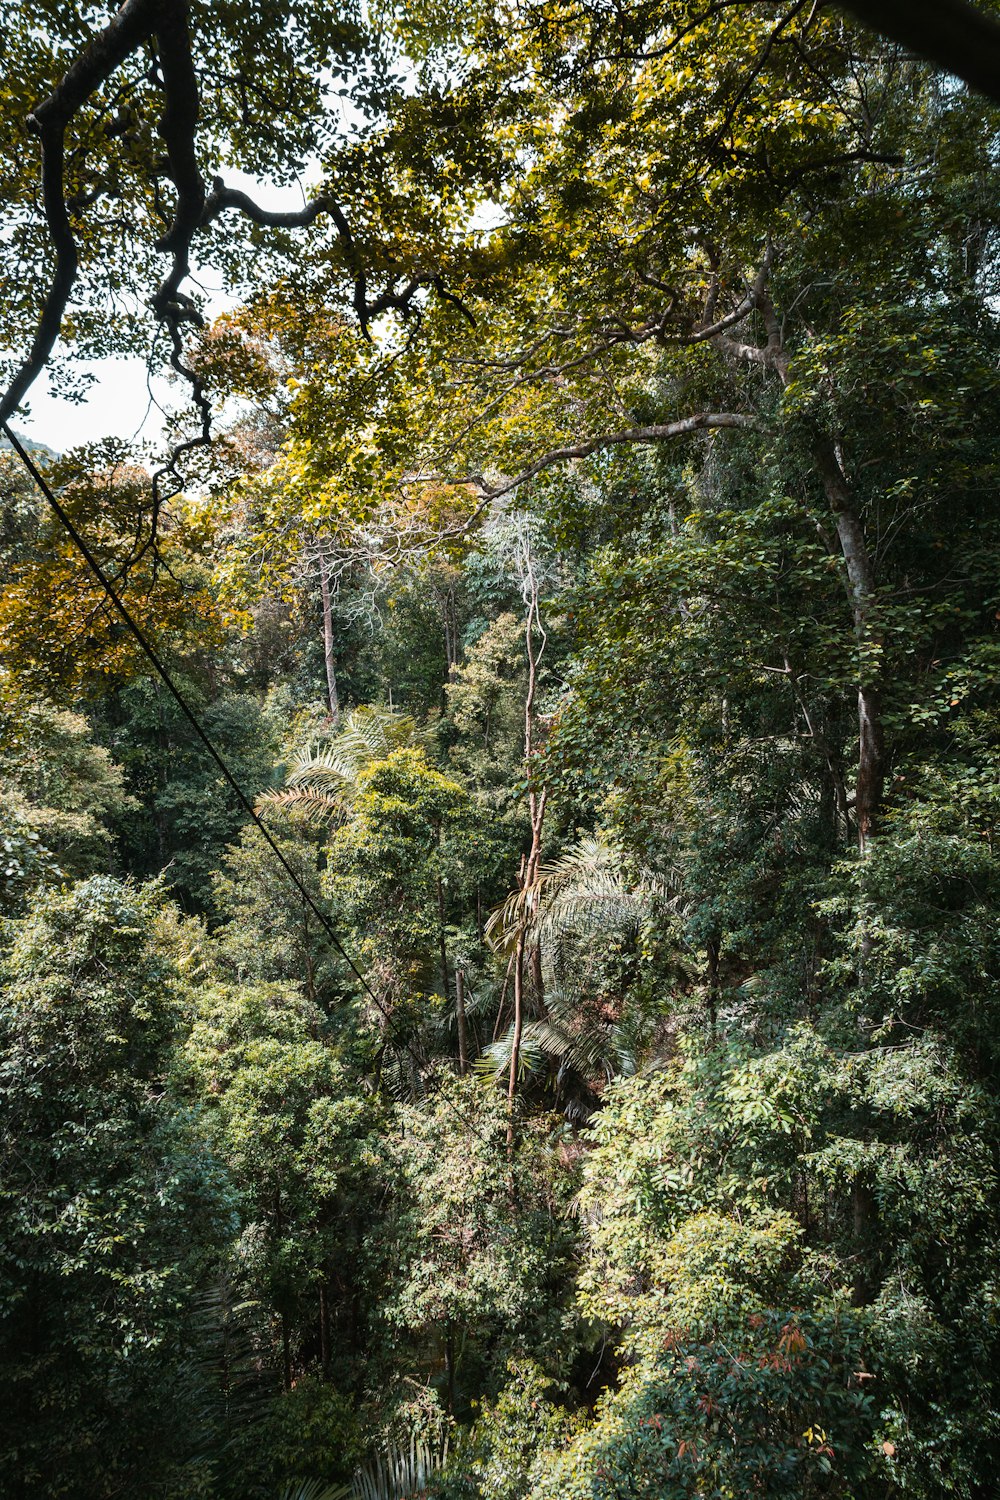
(593, 1089)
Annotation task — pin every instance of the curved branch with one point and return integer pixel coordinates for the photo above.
(701, 422)
(129, 28)
(134, 24)
(712, 330)
(222, 197)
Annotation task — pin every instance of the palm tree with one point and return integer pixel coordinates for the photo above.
(400, 1473)
(582, 896)
(322, 781)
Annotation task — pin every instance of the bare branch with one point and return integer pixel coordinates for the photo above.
(222, 197)
(634, 436)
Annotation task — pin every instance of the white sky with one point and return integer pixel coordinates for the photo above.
(117, 405)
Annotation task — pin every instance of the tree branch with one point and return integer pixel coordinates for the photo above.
(702, 422)
(956, 36)
(131, 26)
(222, 197)
(134, 24)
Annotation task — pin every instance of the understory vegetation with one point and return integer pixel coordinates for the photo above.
(582, 1079)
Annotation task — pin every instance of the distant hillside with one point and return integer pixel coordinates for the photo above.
(39, 449)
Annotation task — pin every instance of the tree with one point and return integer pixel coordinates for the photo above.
(295, 1134)
(183, 814)
(481, 1268)
(58, 784)
(112, 1214)
(207, 99)
(402, 870)
(267, 932)
(155, 96)
(59, 629)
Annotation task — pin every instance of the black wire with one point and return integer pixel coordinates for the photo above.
(78, 541)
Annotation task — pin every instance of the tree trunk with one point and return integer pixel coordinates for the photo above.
(329, 655)
(536, 810)
(286, 1354)
(463, 1040)
(860, 580)
(713, 985)
(449, 1360)
(863, 1224)
(442, 945)
(324, 1330)
(529, 873)
(861, 588)
(515, 1048)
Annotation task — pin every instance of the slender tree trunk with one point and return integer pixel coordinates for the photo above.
(442, 945)
(329, 654)
(713, 986)
(860, 583)
(529, 874)
(324, 1329)
(449, 1360)
(463, 1039)
(515, 1047)
(537, 980)
(863, 1223)
(503, 998)
(517, 970)
(861, 587)
(536, 810)
(286, 1353)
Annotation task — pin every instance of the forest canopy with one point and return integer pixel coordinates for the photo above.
(498, 886)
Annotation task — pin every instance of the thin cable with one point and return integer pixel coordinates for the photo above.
(81, 545)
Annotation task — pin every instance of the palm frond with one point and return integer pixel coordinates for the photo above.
(587, 1050)
(582, 893)
(330, 768)
(395, 1474)
(313, 805)
(494, 1061)
(315, 1489)
(400, 1077)
(238, 1390)
(400, 1473)
(322, 781)
(371, 733)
